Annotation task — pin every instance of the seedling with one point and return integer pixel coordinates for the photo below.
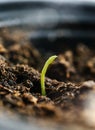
(44, 70)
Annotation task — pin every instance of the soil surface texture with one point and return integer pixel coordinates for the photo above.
(70, 81)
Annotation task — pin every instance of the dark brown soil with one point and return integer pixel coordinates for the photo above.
(68, 88)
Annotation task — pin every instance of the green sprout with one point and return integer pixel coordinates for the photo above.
(44, 70)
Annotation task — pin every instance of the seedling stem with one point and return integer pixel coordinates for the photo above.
(43, 72)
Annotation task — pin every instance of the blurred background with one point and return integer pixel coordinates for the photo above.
(51, 19)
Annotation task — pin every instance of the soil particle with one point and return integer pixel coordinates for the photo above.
(91, 65)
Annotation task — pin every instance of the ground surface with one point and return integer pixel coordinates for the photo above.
(70, 86)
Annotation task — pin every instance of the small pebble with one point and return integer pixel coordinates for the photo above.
(89, 84)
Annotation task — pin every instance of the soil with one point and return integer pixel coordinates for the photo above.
(70, 85)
